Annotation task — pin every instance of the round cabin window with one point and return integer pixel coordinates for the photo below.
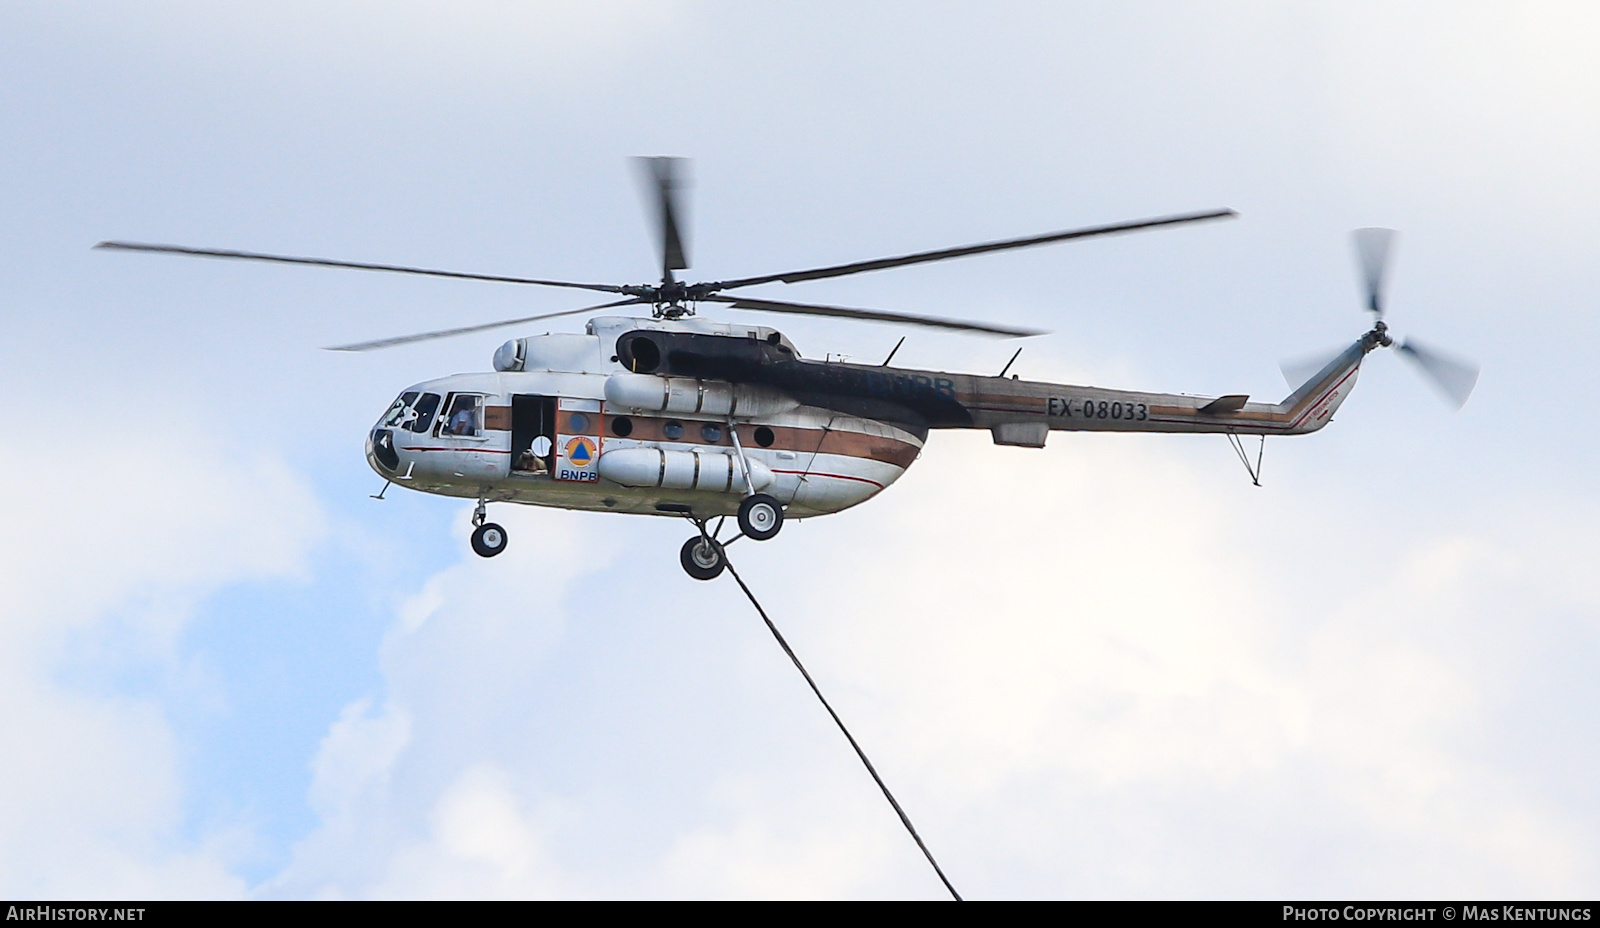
(764, 437)
(711, 433)
(578, 422)
(673, 430)
(622, 426)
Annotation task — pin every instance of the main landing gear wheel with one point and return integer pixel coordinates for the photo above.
(488, 539)
(702, 558)
(760, 517)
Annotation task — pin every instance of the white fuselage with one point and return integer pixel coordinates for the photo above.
(562, 424)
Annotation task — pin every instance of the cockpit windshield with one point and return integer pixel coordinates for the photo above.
(427, 406)
(397, 412)
(413, 411)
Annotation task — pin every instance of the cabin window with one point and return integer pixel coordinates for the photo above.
(622, 426)
(427, 406)
(398, 413)
(711, 432)
(764, 437)
(577, 422)
(673, 430)
(465, 418)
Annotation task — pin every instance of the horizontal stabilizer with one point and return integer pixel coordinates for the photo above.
(1021, 434)
(1223, 405)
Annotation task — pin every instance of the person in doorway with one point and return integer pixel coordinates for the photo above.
(535, 460)
(530, 463)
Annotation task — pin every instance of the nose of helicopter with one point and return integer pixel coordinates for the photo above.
(381, 453)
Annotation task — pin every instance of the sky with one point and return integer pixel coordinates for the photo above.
(1112, 668)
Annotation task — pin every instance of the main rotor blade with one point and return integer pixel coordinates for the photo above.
(1372, 248)
(1454, 378)
(666, 177)
(922, 257)
(357, 265)
(874, 315)
(466, 329)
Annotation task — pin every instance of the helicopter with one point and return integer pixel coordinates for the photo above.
(674, 415)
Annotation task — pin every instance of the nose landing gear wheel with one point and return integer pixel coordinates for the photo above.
(702, 558)
(488, 539)
(760, 517)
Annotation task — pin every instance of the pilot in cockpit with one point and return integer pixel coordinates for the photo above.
(463, 418)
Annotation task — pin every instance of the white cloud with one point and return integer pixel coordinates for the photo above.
(417, 764)
(480, 844)
(424, 47)
(759, 855)
(1121, 639)
(104, 552)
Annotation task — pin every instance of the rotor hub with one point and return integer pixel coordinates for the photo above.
(1379, 336)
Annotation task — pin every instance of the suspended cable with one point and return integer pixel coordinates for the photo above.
(904, 819)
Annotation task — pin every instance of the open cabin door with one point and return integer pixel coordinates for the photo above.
(533, 435)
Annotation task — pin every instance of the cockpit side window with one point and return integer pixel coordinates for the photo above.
(465, 418)
(427, 405)
(401, 409)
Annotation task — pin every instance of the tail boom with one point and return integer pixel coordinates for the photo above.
(1021, 412)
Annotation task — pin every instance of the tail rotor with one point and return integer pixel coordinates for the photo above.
(1453, 377)
(1372, 250)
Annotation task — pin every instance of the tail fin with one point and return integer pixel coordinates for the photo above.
(1312, 404)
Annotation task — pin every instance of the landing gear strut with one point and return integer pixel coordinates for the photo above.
(760, 517)
(488, 539)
